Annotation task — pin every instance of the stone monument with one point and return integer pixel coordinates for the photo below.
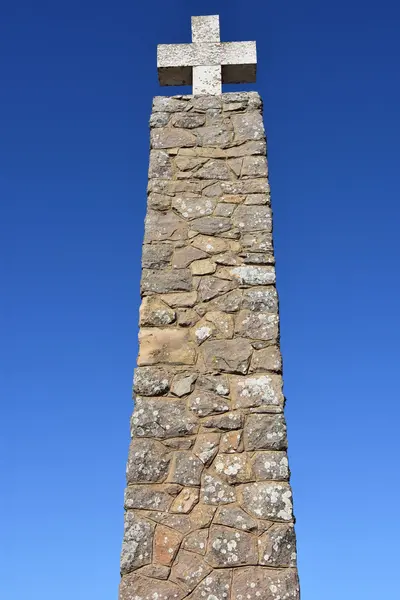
(208, 502)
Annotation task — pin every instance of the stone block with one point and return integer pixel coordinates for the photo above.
(168, 346)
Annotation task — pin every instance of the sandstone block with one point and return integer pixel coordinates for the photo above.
(232, 468)
(185, 502)
(204, 403)
(169, 346)
(252, 275)
(267, 359)
(147, 497)
(211, 225)
(227, 356)
(248, 126)
(178, 300)
(183, 384)
(254, 166)
(226, 422)
(155, 313)
(231, 442)
(166, 545)
(216, 586)
(170, 104)
(188, 120)
(203, 267)
(261, 300)
(211, 287)
(183, 257)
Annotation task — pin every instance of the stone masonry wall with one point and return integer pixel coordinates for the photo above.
(208, 501)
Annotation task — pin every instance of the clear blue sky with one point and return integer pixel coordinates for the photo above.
(76, 83)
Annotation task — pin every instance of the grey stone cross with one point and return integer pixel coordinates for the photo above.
(206, 62)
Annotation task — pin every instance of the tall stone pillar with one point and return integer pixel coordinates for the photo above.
(208, 501)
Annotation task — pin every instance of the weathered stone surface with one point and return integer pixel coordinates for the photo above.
(214, 169)
(277, 547)
(137, 543)
(257, 326)
(254, 166)
(172, 137)
(186, 469)
(183, 384)
(253, 218)
(225, 422)
(270, 465)
(206, 447)
(156, 256)
(169, 346)
(155, 571)
(193, 208)
(211, 287)
(255, 583)
(151, 381)
(265, 432)
(162, 418)
(235, 517)
(179, 300)
(231, 442)
(187, 317)
(215, 491)
(214, 383)
(267, 359)
(147, 497)
(187, 499)
(159, 119)
(268, 500)
(196, 541)
(252, 275)
(160, 282)
(261, 300)
(216, 586)
(158, 201)
(207, 468)
(211, 225)
(257, 390)
(233, 468)
(214, 136)
(184, 256)
(188, 120)
(166, 545)
(148, 462)
(134, 586)
(188, 570)
(154, 312)
(170, 104)
(203, 267)
(160, 165)
(209, 244)
(227, 356)
(229, 548)
(248, 126)
(204, 403)
(161, 226)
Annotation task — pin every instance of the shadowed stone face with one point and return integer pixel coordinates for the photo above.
(208, 502)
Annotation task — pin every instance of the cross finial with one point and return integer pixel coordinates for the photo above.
(206, 62)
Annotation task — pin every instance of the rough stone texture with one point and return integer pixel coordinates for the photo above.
(208, 501)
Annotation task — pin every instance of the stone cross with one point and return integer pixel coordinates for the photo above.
(206, 62)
